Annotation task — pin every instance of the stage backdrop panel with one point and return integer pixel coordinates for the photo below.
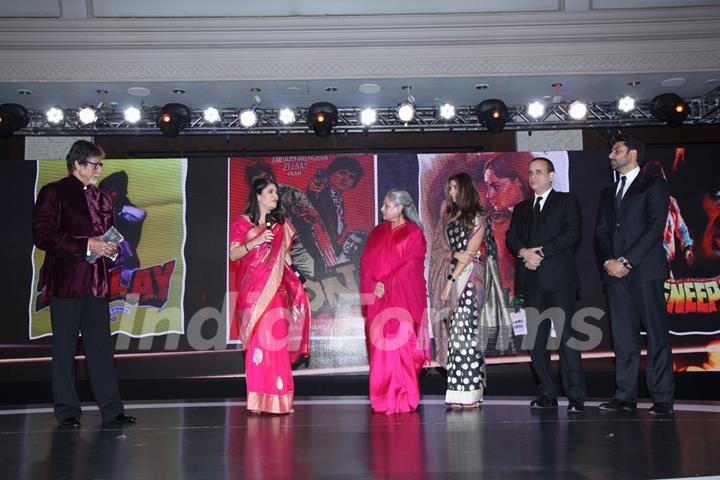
(331, 202)
(501, 181)
(148, 278)
(332, 230)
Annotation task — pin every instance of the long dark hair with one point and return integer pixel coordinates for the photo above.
(252, 208)
(467, 205)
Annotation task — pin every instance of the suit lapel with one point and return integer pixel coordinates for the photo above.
(526, 211)
(635, 187)
(609, 193)
(535, 224)
(549, 203)
(548, 206)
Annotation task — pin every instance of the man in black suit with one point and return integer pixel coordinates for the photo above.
(629, 242)
(544, 233)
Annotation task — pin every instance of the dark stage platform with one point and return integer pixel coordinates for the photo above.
(338, 437)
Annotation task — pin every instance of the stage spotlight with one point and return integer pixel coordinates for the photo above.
(286, 116)
(492, 113)
(536, 110)
(87, 115)
(55, 116)
(447, 111)
(172, 118)
(368, 116)
(406, 112)
(669, 108)
(132, 115)
(211, 115)
(248, 117)
(13, 117)
(626, 104)
(322, 117)
(578, 110)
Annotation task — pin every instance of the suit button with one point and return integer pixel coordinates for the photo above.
(617, 225)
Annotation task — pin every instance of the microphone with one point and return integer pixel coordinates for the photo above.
(268, 223)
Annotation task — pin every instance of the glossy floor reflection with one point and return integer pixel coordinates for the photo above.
(340, 438)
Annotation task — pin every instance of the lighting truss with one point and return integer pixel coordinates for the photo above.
(703, 111)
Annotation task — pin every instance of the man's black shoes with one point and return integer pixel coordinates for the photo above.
(70, 422)
(124, 418)
(544, 401)
(661, 409)
(615, 405)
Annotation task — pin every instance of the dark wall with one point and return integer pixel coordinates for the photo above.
(207, 213)
(127, 146)
(17, 187)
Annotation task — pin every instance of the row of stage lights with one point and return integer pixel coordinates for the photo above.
(322, 117)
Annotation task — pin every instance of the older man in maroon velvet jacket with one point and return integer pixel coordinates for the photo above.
(69, 219)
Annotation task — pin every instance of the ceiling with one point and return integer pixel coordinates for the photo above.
(65, 51)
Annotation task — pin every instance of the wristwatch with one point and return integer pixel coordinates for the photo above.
(625, 262)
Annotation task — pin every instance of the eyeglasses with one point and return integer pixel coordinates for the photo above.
(97, 165)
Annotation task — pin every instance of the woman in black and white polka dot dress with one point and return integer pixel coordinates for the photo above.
(465, 290)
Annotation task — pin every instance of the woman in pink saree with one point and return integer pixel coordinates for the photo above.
(272, 313)
(394, 299)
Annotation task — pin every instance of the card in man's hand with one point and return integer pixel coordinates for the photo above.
(112, 235)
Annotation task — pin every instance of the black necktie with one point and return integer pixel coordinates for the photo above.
(619, 194)
(535, 217)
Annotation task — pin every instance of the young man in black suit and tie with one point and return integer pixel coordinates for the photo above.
(544, 233)
(629, 241)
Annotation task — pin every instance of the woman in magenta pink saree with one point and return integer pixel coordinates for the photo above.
(394, 296)
(272, 313)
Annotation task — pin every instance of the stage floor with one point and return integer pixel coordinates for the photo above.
(338, 437)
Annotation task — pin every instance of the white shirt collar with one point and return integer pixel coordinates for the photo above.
(543, 195)
(629, 176)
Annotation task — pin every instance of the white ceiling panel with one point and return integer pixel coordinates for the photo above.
(625, 4)
(30, 8)
(514, 90)
(234, 8)
(294, 59)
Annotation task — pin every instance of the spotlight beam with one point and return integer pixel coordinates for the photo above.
(701, 111)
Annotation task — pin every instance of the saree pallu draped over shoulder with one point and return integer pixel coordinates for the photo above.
(466, 363)
(396, 324)
(272, 316)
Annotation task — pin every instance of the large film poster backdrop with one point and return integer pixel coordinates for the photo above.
(692, 246)
(691, 237)
(330, 202)
(332, 228)
(501, 181)
(148, 277)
